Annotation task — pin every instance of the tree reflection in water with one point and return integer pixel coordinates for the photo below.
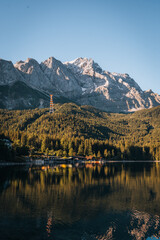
(112, 201)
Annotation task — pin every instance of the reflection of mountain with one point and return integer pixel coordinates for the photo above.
(140, 224)
(145, 224)
(95, 203)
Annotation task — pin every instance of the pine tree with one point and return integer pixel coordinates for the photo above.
(90, 153)
(105, 153)
(99, 154)
(80, 150)
(70, 152)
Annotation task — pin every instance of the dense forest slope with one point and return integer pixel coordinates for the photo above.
(84, 130)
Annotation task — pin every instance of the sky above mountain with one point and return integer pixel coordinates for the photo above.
(122, 36)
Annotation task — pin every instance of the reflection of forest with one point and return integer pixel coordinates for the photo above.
(73, 193)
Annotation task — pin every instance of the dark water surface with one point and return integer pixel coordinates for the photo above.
(112, 201)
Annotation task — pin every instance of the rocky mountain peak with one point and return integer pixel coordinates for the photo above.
(26, 66)
(31, 60)
(82, 81)
(51, 63)
(5, 65)
(85, 65)
(149, 91)
(5, 61)
(8, 73)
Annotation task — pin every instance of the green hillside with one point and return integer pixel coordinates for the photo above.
(84, 130)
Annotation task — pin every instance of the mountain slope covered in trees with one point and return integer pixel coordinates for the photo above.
(74, 130)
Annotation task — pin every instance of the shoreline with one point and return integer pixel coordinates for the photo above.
(67, 163)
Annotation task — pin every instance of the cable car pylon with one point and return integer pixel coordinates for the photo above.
(51, 104)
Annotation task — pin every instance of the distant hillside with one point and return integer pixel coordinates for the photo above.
(71, 124)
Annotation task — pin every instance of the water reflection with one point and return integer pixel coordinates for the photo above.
(112, 201)
(49, 224)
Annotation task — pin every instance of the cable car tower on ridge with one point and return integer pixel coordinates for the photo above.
(51, 104)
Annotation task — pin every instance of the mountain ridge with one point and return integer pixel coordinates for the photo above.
(82, 81)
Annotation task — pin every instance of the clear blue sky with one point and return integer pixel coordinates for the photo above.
(121, 35)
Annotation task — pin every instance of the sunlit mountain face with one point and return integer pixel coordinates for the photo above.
(81, 81)
(112, 201)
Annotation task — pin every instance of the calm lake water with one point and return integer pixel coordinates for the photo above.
(112, 201)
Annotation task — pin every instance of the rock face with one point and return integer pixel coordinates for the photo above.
(110, 91)
(8, 74)
(18, 95)
(81, 80)
(32, 74)
(50, 76)
(62, 79)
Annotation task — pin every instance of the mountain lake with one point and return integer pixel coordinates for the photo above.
(117, 200)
